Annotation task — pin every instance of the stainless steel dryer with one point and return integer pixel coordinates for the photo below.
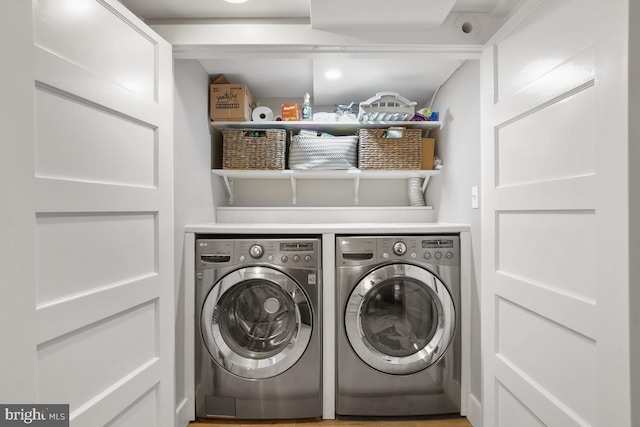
(398, 340)
(258, 335)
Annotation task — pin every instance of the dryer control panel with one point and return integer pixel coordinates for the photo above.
(438, 250)
(363, 250)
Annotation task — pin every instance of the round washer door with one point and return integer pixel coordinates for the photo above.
(256, 322)
(400, 319)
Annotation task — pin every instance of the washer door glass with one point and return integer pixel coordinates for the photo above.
(257, 318)
(400, 319)
(256, 322)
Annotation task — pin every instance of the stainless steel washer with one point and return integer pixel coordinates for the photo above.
(258, 328)
(398, 341)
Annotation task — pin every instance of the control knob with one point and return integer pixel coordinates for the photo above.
(399, 248)
(256, 251)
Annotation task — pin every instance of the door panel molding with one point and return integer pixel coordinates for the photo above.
(52, 72)
(539, 401)
(572, 311)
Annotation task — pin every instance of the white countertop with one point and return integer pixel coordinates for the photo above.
(367, 228)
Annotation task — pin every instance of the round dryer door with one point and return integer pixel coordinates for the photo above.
(256, 322)
(400, 319)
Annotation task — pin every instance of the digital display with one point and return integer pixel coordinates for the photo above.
(432, 244)
(298, 246)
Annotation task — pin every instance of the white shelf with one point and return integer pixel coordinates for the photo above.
(324, 174)
(330, 127)
(293, 175)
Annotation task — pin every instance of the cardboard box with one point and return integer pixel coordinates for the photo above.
(291, 112)
(427, 149)
(219, 79)
(231, 102)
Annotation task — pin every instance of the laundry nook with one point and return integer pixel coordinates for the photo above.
(320, 212)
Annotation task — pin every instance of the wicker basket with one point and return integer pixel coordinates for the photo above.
(378, 151)
(253, 149)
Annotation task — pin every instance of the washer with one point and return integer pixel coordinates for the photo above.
(398, 340)
(258, 334)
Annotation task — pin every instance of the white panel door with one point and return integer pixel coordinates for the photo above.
(554, 220)
(87, 217)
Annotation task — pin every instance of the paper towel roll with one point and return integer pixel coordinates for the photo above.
(262, 114)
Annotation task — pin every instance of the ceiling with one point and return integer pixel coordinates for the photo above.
(216, 9)
(279, 74)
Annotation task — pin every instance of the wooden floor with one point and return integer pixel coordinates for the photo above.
(448, 422)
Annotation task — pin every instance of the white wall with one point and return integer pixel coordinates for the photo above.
(194, 201)
(320, 193)
(458, 145)
(17, 232)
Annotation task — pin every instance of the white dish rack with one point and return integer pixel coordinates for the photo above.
(386, 107)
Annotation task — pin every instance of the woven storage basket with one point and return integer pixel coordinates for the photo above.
(376, 151)
(336, 152)
(253, 149)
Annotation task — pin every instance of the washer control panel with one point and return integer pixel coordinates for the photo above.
(431, 249)
(293, 253)
(399, 248)
(256, 251)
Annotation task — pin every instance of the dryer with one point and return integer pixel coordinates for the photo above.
(258, 328)
(398, 340)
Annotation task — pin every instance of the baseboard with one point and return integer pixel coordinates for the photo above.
(183, 416)
(474, 411)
